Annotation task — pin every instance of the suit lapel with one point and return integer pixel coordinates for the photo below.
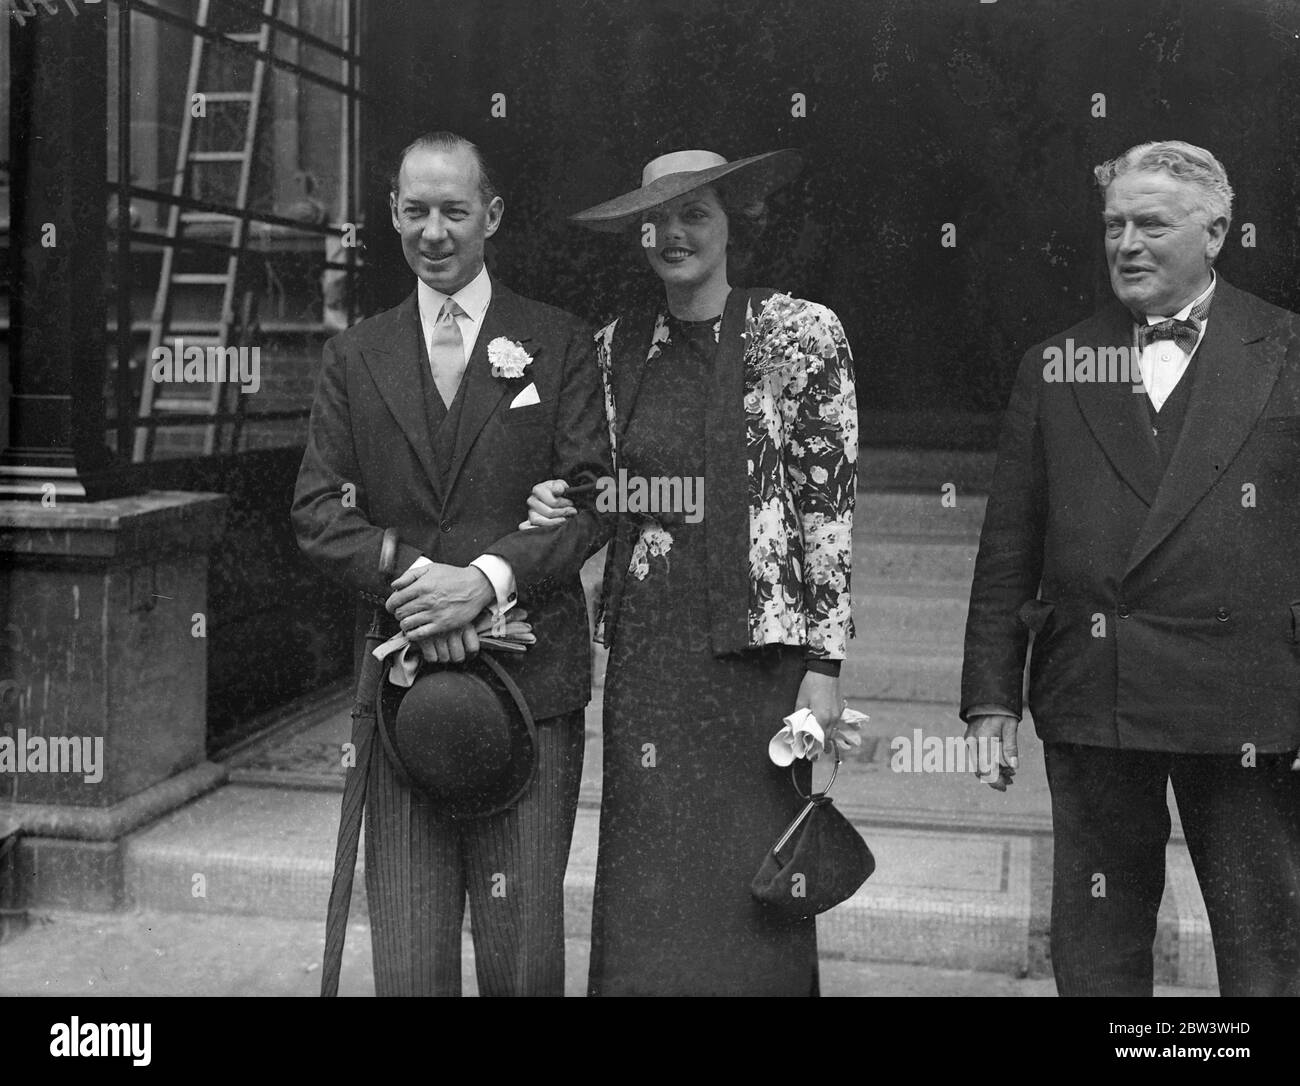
(1235, 370)
(482, 392)
(394, 359)
(1115, 413)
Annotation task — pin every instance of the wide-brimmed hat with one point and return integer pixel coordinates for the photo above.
(461, 735)
(669, 176)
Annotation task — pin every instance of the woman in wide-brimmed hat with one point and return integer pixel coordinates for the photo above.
(726, 594)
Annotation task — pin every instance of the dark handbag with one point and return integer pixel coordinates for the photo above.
(819, 861)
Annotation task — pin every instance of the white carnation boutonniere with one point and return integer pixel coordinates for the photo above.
(508, 358)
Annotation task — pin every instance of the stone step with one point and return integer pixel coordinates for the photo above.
(887, 720)
(952, 899)
(898, 676)
(890, 718)
(243, 850)
(917, 616)
(958, 900)
(924, 469)
(880, 514)
(915, 559)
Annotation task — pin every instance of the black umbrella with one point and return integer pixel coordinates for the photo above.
(354, 787)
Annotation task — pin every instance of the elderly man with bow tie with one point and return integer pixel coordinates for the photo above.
(1147, 536)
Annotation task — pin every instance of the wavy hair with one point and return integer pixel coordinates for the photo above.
(746, 221)
(1186, 162)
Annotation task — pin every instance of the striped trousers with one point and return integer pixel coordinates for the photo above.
(421, 867)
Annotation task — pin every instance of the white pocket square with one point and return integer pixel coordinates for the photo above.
(528, 396)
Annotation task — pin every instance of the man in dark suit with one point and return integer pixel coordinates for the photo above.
(436, 419)
(1144, 525)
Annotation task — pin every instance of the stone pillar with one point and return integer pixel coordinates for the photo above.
(58, 121)
(103, 681)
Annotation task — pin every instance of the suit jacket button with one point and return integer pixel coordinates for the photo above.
(1123, 611)
(1222, 614)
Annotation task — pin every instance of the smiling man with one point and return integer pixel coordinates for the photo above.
(1149, 544)
(419, 426)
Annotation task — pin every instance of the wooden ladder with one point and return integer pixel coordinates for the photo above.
(234, 299)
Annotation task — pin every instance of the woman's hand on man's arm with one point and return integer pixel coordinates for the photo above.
(547, 506)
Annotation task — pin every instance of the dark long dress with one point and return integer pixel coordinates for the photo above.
(691, 800)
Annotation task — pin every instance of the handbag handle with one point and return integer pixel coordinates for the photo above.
(789, 830)
(811, 796)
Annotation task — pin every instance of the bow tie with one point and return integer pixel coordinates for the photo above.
(1183, 333)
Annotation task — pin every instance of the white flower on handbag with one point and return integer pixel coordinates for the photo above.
(847, 731)
(508, 358)
(802, 737)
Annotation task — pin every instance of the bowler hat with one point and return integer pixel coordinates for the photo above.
(461, 735)
(669, 176)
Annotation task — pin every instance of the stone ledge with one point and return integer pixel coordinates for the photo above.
(159, 521)
(112, 823)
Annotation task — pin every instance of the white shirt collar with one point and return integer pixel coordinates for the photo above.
(1185, 312)
(473, 298)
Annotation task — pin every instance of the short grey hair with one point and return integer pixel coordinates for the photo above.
(1184, 161)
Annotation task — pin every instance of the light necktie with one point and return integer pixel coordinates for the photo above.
(447, 352)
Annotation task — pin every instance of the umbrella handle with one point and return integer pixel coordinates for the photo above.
(387, 567)
(388, 553)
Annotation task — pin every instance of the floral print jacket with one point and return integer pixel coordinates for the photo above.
(783, 412)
